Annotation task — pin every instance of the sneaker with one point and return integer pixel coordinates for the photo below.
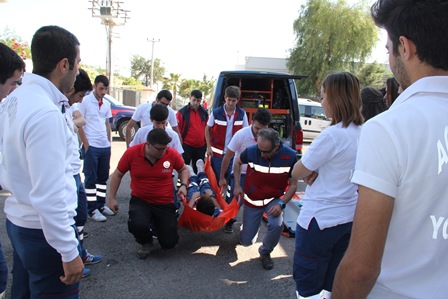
(106, 211)
(190, 169)
(97, 216)
(200, 165)
(144, 250)
(228, 228)
(266, 261)
(91, 259)
(85, 272)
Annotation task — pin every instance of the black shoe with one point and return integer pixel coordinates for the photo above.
(86, 234)
(228, 228)
(266, 261)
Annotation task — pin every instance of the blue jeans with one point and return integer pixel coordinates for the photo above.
(81, 212)
(96, 174)
(37, 266)
(198, 183)
(251, 223)
(317, 255)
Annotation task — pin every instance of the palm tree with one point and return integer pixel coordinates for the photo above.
(172, 83)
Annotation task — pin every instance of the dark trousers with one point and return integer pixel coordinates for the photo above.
(81, 212)
(193, 154)
(162, 217)
(37, 267)
(96, 174)
(317, 256)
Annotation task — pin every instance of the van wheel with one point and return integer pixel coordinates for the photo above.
(122, 130)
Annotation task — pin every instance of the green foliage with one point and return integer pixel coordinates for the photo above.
(172, 83)
(188, 85)
(130, 81)
(16, 43)
(331, 36)
(92, 71)
(372, 74)
(141, 70)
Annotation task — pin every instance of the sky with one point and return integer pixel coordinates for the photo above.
(195, 37)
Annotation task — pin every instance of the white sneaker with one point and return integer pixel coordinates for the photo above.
(190, 169)
(106, 211)
(97, 216)
(200, 165)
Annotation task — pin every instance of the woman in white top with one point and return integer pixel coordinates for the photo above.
(325, 220)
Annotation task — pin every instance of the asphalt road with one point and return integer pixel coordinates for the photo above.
(202, 265)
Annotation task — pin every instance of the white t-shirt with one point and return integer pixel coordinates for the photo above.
(96, 117)
(142, 134)
(331, 199)
(141, 115)
(239, 142)
(229, 128)
(403, 153)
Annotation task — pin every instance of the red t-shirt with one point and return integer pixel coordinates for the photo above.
(151, 183)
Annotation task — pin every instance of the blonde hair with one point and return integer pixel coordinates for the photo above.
(344, 98)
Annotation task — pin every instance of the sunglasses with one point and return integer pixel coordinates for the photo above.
(160, 149)
(266, 152)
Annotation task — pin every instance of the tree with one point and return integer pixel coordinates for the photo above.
(372, 74)
(172, 83)
(187, 86)
(141, 70)
(16, 43)
(331, 36)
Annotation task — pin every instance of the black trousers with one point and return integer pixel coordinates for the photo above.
(192, 154)
(163, 218)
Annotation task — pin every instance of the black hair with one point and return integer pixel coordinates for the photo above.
(102, 79)
(164, 94)
(196, 93)
(372, 102)
(50, 45)
(158, 112)
(205, 205)
(263, 116)
(424, 22)
(158, 136)
(10, 62)
(392, 87)
(82, 82)
(232, 92)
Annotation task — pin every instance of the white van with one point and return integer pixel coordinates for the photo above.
(312, 118)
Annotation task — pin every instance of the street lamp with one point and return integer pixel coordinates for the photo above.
(111, 15)
(151, 78)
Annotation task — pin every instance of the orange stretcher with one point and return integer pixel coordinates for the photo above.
(199, 222)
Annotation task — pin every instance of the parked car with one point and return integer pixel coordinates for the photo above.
(121, 115)
(273, 91)
(312, 118)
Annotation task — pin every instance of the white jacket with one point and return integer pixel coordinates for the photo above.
(35, 154)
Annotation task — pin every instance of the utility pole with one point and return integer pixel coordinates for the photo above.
(151, 78)
(111, 15)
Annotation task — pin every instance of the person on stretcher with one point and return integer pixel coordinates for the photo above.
(200, 194)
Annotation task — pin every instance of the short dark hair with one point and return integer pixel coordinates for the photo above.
(196, 93)
(158, 136)
(372, 102)
(263, 116)
(158, 112)
(424, 22)
(205, 205)
(102, 79)
(269, 134)
(51, 44)
(392, 87)
(10, 62)
(164, 94)
(82, 82)
(232, 92)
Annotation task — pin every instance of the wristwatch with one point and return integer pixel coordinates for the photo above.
(282, 205)
(184, 185)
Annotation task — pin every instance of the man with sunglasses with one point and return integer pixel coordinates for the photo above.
(268, 175)
(152, 197)
(142, 114)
